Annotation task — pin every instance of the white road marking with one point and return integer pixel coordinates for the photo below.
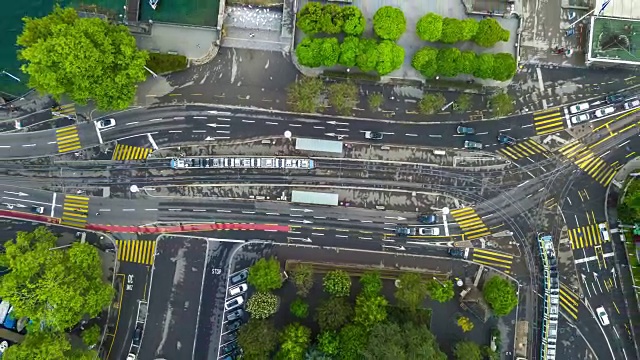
(319, 217)
(342, 236)
(29, 145)
(224, 119)
(199, 117)
(295, 125)
(198, 131)
(223, 211)
(8, 146)
(98, 131)
(248, 121)
(365, 238)
(540, 82)
(343, 219)
(366, 221)
(153, 142)
(178, 118)
(411, 134)
(104, 210)
(272, 213)
(155, 119)
(271, 123)
(174, 209)
(503, 130)
(437, 136)
(53, 203)
(317, 234)
(128, 209)
(248, 212)
(151, 209)
(223, 131)
(132, 123)
(318, 127)
(175, 131)
(199, 210)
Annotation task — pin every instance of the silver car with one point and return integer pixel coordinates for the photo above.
(472, 145)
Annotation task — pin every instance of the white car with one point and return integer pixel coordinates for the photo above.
(606, 111)
(106, 123)
(578, 108)
(3, 346)
(433, 231)
(632, 104)
(603, 231)
(580, 118)
(602, 315)
(234, 303)
(237, 290)
(131, 356)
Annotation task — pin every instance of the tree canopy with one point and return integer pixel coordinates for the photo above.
(429, 27)
(83, 58)
(295, 340)
(351, 339)
(264, 275)
(56, 286)
(316, 18)
(302, 277)
(501, 104)
(258, 338)
(370, 310)
(337, 283)
(450, 62)
(45, 345)
(389, 23)
(504, 66)
(424, 60)
(489, 32)
(262, 304)
(390, 341)
(411, 291)
(500, 294)
(304, 94)
(467, 350)
(371, 283)
(440, 291)
(390, 57)
(333, 313)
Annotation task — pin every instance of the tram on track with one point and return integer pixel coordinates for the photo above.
(243, 163)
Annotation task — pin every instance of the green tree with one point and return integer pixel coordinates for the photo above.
(337, 283)
(462, 103)
(308, 52)
(352, 340)
(451, 31)
(354, 21)
(467, 62)
(449, 62)
(465, 323)
(468, 29)
(391, 341)
(370, 310)
(440, 291)
(390, 57)
(504, 66)
(331, 21)
(411, 290)
(431, 103)
(424, 60)
(367, 57)
(295, 340)
(91, 335)
(264, 275)
(261, 305)
(328, 342)
(429, 27)
(304, 94)
(333, 313)
(46, 345)
(82, 58)
(330, 51)
(258, 338)
(490, 32)
(371, 283)
(467, 350)
(375, 101)
(500, 294)
(389, 23)
(349, 50)
(302, 277)
(60, 286)
(309, 18)
(484, 66)
(343, 96)
(299, 308)
(501, 104)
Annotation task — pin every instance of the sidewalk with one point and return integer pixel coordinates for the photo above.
(30, 103)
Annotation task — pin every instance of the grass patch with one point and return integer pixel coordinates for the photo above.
(166, 63)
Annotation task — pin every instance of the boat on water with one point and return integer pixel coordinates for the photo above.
(4, 309)
(154, 3)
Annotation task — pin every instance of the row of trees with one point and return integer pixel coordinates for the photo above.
(435, 28)
(389, 23)
(316, 18)
(450, 62)
(55, 289)
(367, 54)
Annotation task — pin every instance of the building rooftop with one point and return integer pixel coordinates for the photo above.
(619, 8)
(615, 40)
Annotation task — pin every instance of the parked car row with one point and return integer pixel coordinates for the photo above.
(579, 112)
(234, 315)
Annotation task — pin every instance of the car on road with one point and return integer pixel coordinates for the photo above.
(465, 130)
(506, 139)
(579, 108)
(233, 326)
(137, 336)
(602, 315)
(131, 356)
(460, 253)
(234, 315)
(429, 231)
(632, 104)
(604, 232)
(428, 219)
(239, 277)
(605, 111)
(232, 336)
(237, 290)
(580, 118)
(373, 135)
(404, 231)
(229, 347)
(37, 209)
(106, 123)
(472, 145)
(233, 303)
(615, 98)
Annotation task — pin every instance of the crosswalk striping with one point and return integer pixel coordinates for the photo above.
(75, 210)
(68, 139)
(569, 301)
(523, 149)
(128, 152)
(548, 121)
(492, 258)
(586, 160)
(585, 236)
(136, 251)
(63, 110)
(472, 226)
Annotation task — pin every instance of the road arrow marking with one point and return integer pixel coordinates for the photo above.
(399, 218)
(219, 112)
(330, 134)
(300, 239)
(301, 221)
(305, 210)
(213, 138)
(218, 125)
(332, 122)
(586, 286)
(17, 193)
(401, 248)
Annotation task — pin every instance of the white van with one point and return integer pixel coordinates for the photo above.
(604, 232)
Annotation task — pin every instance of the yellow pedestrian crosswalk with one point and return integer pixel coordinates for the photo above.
(569, 301)
(68, 139)
(491, 258)
(136, 251)
(585, 236)
(75, 210)
(523, 149)
(548, 121)
(589, 162)
(127, 152)
(470, 223)
(63, 110)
